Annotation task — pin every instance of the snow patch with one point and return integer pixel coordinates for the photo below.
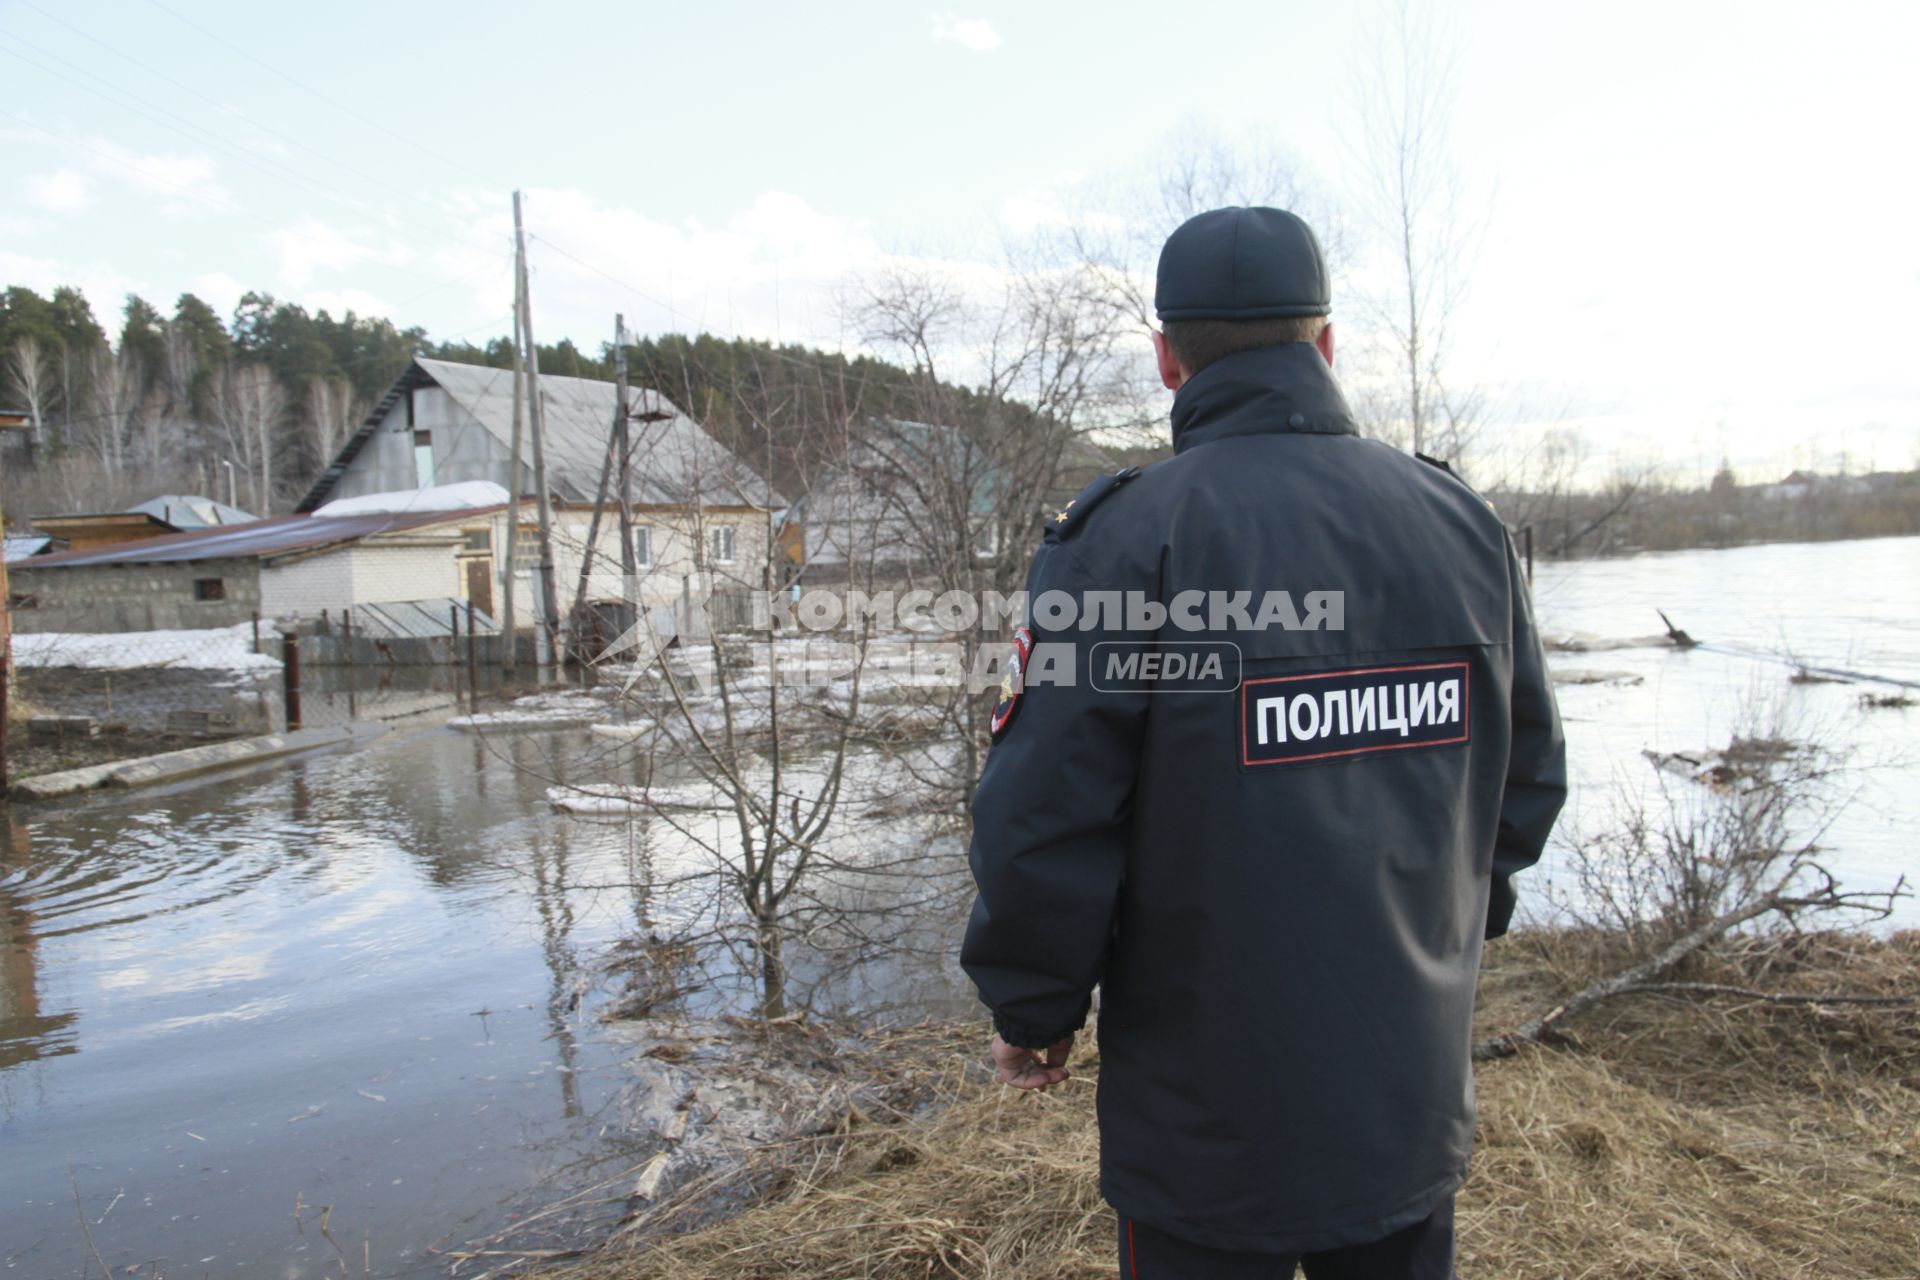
(536, 713)
(219, 649)
(466, 495)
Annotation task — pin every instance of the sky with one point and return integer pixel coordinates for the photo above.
(1695, 222)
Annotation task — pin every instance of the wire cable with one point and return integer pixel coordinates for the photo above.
(227, 108)
(307, 88)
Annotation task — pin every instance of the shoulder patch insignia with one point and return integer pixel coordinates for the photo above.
(1068, 518)
(1448, 468)
(1013, 682)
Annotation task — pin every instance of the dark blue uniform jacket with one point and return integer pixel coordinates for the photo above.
(1281, 890)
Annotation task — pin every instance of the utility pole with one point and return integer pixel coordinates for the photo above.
(509, 628)
(629, 566)
(536, 419)
(593, 522)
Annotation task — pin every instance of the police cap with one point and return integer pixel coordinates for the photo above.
(1242, 264)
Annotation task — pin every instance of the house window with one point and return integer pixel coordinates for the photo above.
(526, 550)
(423, 458)
(209, 588)
(986, 540)
(480, 540)
(643, 545)
(720, 543)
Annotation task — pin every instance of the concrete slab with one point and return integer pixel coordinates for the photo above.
(172, 765)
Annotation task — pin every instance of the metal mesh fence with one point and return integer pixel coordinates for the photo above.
(217, 683)
(77, 699)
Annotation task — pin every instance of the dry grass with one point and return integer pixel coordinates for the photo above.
(1683, 1138)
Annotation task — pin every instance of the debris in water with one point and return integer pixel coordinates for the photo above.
(1681, 640)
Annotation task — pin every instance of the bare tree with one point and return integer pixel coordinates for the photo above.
(331, 416)
(117, 391)
(30, 374)
(1726, 840)
(249, 409)
(745, 743)
(1418, 206)
(1008, 386)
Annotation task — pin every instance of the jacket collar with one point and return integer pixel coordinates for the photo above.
(1269, 389)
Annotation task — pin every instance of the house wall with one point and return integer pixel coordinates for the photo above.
(675, 567)
(364, 573)
(307, 585)
(383, 573)
(462, 448)
(133, 597)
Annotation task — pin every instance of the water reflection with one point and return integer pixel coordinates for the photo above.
(267, 987)
(27, 1031)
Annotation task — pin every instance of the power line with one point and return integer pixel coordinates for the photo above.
(672, 311)
(721, 331)
(224, 204)
(223, 107)
(286, 174)
(198, 134)
(307, 88)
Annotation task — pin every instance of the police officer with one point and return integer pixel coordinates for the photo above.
(1280, 875)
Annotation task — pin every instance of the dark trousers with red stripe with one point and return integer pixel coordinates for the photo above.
(1423, 1251)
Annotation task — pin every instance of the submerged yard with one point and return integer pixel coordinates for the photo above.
(479, 996)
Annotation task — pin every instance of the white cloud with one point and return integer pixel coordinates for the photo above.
(311, 245)
(769, 270)
(104, 287)
(218, 290)
(976, 34)
(62, 191)
(1025, 214)
(188, 181)
(337, 302)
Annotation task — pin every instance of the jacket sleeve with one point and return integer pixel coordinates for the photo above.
(1537, 768)
(1051, 819)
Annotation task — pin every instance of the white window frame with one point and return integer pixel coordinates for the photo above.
(526, 549)
(643, 546)
(423, 459)
(723, 536)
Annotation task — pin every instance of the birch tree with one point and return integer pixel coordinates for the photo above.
(249, 410)
(30, 374)
(116, 387)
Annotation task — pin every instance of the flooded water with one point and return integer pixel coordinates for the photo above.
(1757, 613)
(358, 981)
(349, 982)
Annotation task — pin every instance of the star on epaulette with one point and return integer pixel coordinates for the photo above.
(1069, 516)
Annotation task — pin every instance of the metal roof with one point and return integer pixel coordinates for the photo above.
(191, 511)
(274, 536)
(22, 545)
(675, 461)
